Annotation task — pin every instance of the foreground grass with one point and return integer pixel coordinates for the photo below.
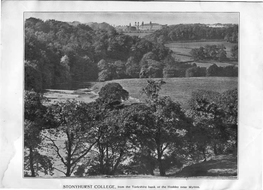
(221, 165)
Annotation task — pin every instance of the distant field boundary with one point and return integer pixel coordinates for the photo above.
(202, 40)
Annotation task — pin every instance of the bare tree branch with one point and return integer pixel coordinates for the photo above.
(167, 144)
(72, 169)
(57, 149)
(83, 153)
(59, 170)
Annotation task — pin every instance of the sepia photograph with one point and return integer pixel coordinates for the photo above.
(131, 95)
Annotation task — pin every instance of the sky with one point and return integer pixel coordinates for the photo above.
(118, 18)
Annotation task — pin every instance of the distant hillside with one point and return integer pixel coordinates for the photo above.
(61, 54)
(182, 32)
(74, 23)
(100, 26)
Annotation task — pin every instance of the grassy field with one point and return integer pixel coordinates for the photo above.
(182, 51)
(179, 89)
(184, 48)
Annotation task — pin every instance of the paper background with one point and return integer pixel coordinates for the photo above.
(250, 92)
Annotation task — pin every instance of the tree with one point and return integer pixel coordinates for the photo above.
(150, 68)
(102, 65)
(214, 127)
(63, 75)
(211, 115)
(112, 94)
(229, 103)
(113, 142)
(104, 75)
(170, 66)
(33, 78)
(234, 52)
(75, 129)
(112, 136)
(132, 68)
(198, 53)
(212, 70)
(190, 72)
(120, 69)
(221, 53)
(195, 72)
(137, 121)
(169, 122)
(36, 119)
(109, 71)
(214, 52)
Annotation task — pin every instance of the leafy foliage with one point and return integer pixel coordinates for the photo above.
(36, 118)
(110, 137)
(194, 32)
(60, 54)
(234, 52)
(209, 52)
(215, 123)
(75, 129)
(113, 93)
(195, 72)
(228, 71)
(169, 125)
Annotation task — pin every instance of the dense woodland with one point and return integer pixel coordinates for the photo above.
(184, 32)
(109, 137)
(60, 54)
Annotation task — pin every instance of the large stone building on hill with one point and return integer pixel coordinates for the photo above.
(137, 27)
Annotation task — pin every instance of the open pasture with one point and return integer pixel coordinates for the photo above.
(184, 48)
(179, 89)
(182, 52)
(219, 64)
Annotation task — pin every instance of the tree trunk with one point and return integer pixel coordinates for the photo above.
(117, 162)
(107, 168)
(101, 158)
(204, 154)
(215, 149)
(31, 162)
(151, 164)
(68, 173)
(161, 169)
